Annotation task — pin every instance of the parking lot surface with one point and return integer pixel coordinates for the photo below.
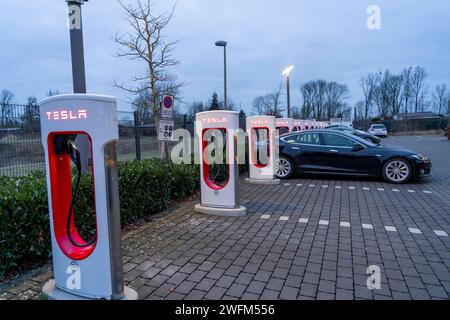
(308, 238)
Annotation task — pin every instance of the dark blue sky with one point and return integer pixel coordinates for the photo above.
(324, 39)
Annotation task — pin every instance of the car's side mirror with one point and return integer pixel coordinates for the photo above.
(357, 147)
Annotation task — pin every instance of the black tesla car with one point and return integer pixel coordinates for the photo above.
(336, 152)
(362, 134)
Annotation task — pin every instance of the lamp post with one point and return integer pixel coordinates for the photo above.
(224, 45)
(76, 45)
(78, 70)
(287, 73)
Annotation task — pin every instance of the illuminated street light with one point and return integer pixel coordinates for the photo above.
(287, 73)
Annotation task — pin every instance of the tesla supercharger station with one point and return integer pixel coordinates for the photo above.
(285, 125)
(299, 125)
(217, 132)
(83, 269)
(262, 149)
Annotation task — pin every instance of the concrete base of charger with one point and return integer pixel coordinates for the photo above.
(222, 212)
(263, 182)
(51, 292)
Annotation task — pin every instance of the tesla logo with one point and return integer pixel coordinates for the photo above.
(66, 115)
(259, 122)
(73, 282)
(215, 120)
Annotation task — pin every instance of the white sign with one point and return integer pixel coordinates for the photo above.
(166, 129)
(167, 107)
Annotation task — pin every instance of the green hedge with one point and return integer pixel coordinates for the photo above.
(146, 187)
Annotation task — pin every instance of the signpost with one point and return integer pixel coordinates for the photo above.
(166, 129)
(166, 124)
(167, 107)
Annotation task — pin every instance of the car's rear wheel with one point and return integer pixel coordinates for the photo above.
(397, 171)
(284, 168)
(368, 139)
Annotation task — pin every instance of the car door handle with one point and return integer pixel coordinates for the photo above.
(295, 148)
(334, 151)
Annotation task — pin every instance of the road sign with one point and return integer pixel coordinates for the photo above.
(167, 107)
(166, 129)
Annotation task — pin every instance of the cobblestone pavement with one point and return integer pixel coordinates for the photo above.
(309, 238)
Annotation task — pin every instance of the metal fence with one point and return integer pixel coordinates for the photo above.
(21, 150)
(433, 126)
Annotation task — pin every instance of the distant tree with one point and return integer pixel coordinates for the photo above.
(407, 88)
(368, 85)
(31, 113)
(395, 85)
(307, 108)
(270, 104)
(335, 100)
(195, 108)
(440, 99)
(258, 105)
(51, 93)
(6, 108)
(419, 89)
(214, 103)
(382, 96)
(296, 113)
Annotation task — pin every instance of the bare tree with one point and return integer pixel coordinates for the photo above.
(335, 99)
(395, 85)
(407, 88)
(440, 99)
(307, 108)
(419, 89)
(147, 44)
(195, 108)
(270, 104)
(368, 85)
(382, 96)
(6, 108)
(31, 112)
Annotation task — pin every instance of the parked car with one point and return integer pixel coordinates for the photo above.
(358, 133)
(378, 130)
(337, 152)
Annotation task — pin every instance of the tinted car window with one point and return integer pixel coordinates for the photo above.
(308, 138)
(336, 140)
(379, 126)
(283, 130)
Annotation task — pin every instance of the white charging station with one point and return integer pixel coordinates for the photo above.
(299, 125)
(262, 149)
(285, 125)
(93, 269)
(219, 182)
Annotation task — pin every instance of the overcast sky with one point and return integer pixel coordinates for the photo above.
(324, 39)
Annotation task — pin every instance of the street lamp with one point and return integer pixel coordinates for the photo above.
(224, 45)
(286, 72)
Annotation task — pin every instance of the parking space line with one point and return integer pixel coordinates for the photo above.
(265, 216)
(380, 189)
(428, 192)
(325, 186)
(303, 220)
(367, 226)
(395, 190)
(345, 224)
(287, 184)
(440, 233)
(324, 222)
(338, 187)
(299, 185)
(351, 188)
(284, 218)
(366, 189)
(312, 185)
(411, 191)
(415, 231)
(390, 229)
